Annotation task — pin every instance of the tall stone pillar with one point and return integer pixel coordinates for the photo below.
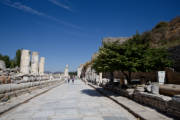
(2, 65)
(41, 65)
(34, 63)
(100, 77)
(25, 61)
(66, 71)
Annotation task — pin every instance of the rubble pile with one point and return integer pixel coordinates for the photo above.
(8, 75)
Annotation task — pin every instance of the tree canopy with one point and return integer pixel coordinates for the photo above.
(11, 63)
(132, 56)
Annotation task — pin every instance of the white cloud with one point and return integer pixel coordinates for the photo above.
(59, 4)
(28, 9)
(22, 7)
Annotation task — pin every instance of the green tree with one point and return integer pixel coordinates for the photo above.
(7, 61)
(11, 63)
(18, 58)
(106, 59)
(132, 56)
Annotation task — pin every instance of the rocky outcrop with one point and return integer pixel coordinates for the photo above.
(120, 40)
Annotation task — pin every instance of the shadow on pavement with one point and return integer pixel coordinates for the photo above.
(95, 93)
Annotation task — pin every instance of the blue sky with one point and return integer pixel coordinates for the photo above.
(70, 31)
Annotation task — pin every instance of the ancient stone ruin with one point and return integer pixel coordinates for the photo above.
(36, 67)
(41, 65)
(2, 65)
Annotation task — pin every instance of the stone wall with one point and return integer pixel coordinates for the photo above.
(165, 104)
(174, 53)
(173, 77)
(25, 85)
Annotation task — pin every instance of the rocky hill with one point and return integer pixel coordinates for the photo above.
(114, 39)
(164, 34)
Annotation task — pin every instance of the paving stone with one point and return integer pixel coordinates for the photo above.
(114, 118)
(69, 102)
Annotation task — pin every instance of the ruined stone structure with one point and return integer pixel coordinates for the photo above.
(2, 65)
(25, 61)
(34, 63)
(41, 65)
(66, 71)
(79, 70)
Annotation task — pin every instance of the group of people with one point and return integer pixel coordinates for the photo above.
(71, 78)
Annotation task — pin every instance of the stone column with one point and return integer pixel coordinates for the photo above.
(34, 63)
(2, 65)
(41, 65)
(100, 77)
(66, 71)
(25, 61)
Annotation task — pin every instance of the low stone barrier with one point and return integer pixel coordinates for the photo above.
(165, 104)
(159, 102)
(13, 89)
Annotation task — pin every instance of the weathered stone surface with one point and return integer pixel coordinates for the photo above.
(25, 61)
(143, 112)
(114, 39)
(2, 65)
(35, 63)
(69, 102)
(169, 89)
(148, 88)
(155, 88)
(41, 66)
(176, 99)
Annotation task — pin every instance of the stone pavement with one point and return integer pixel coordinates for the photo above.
(141, 111)
(69, 102)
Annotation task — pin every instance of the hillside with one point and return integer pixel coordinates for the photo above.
(167, 35)
(164, 34)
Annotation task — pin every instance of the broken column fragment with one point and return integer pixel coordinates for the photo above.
(25, 61)
(35, 63)
(41, 65)
(2, 65)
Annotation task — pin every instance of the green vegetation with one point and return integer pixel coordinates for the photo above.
(132, 56)
(72, 74)
(18, 57)
(11, 63)
(164, 34)
(161, 25)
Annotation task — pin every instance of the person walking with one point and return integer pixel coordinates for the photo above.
(68, 80)
(73, 79)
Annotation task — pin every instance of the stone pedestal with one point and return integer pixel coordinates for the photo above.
(41, 65)
(25, 61)
(34, 63)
